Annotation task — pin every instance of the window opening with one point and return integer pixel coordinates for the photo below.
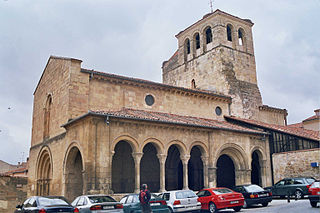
(208, 35)
(229, 32)
(193, 84)
(240, 36)
(197, 37)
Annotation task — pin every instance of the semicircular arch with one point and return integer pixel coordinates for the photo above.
(157, 143)
(180, 145)
(202, 146)
(45, 150)
(132, 142)
(236, 153)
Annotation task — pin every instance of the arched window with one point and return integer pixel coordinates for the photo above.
(229, 32)
(241, 36)
(193, 84)
(47, 111)
(197, 39)
(187, 46)
(208, 35)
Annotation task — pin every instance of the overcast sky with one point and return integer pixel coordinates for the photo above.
(134, 37)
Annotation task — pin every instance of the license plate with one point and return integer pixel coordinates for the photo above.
(232, 202)
(154, 204)
(263, 195)
(108, 207)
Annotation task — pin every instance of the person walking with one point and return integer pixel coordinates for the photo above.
(144, 197)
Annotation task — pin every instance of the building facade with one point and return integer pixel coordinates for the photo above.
(95, 132)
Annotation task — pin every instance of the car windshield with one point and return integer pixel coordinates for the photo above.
(253, 188)
(45, 201)
(310, 180)
(221, 191)
(315, 185)
(185, 194)
(101, 199)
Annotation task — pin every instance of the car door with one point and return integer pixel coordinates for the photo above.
(279, 188)
(204, 198)
(289, 187)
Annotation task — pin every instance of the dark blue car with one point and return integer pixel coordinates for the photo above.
(45, 204)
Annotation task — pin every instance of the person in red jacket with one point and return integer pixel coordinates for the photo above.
(144, 197)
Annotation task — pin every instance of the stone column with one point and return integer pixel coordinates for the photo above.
(109, 173)
(162, 160)
(205, 171)
(185, 160)
(212, 177)
(263, 173)
(137, 158)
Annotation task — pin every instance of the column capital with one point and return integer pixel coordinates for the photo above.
(137, 156)
(162, 158)
(185, 158)
(205, 160)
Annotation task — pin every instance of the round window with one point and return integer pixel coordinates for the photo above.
(149, 99)
(218, 111)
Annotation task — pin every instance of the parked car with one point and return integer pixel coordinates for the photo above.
(291, 186)
(43, 204)
(97, 203)
(131, 204)
(214, 199)
(182, 201)
(254, 194)
(314, 193)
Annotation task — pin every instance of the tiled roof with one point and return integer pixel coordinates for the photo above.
(292, 130)
(169, 118)
(312, 118)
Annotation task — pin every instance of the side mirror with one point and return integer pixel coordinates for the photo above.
(19, 206)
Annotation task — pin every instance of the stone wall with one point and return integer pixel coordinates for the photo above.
(13, 191)
(295, 164)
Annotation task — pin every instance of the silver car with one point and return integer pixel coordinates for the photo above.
(182, 201)
(97, 203)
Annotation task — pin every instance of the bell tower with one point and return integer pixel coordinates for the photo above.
(216, 54)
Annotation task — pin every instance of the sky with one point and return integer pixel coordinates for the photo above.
(133, 38)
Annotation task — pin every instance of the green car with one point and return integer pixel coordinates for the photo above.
(131, 204)
(296, 186)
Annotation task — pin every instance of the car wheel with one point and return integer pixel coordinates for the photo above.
(212, 208)
(313, 204)
(298, 194)
(237, 208)
(265, 204)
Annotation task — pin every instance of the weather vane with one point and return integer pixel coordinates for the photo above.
(211, 5)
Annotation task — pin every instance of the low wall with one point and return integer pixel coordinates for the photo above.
(13, 191)
(295, 164)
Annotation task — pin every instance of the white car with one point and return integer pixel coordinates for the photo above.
(182, 201)
(97, 203)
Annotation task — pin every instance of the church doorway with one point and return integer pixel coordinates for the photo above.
(123, 168)
(73, 174)
(44, 174)
(174, 169)
(255, 169)
(225, 172)
(150, 168)
(195, 170)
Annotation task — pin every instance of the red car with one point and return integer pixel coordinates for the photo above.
(314, 193)
(214, 199)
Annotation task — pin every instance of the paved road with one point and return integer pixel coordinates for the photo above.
(282, 206)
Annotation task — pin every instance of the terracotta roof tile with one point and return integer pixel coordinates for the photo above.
(293, 130)
(175, 119)
(312, 118)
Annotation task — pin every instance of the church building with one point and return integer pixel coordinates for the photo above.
(95, 132)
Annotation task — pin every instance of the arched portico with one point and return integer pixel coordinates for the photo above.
(258, 166)
(232, 166)
(195, 169)
(73, 171)
(44, 171)
(123, 168)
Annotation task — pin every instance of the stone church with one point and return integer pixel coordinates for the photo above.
(95, 132)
